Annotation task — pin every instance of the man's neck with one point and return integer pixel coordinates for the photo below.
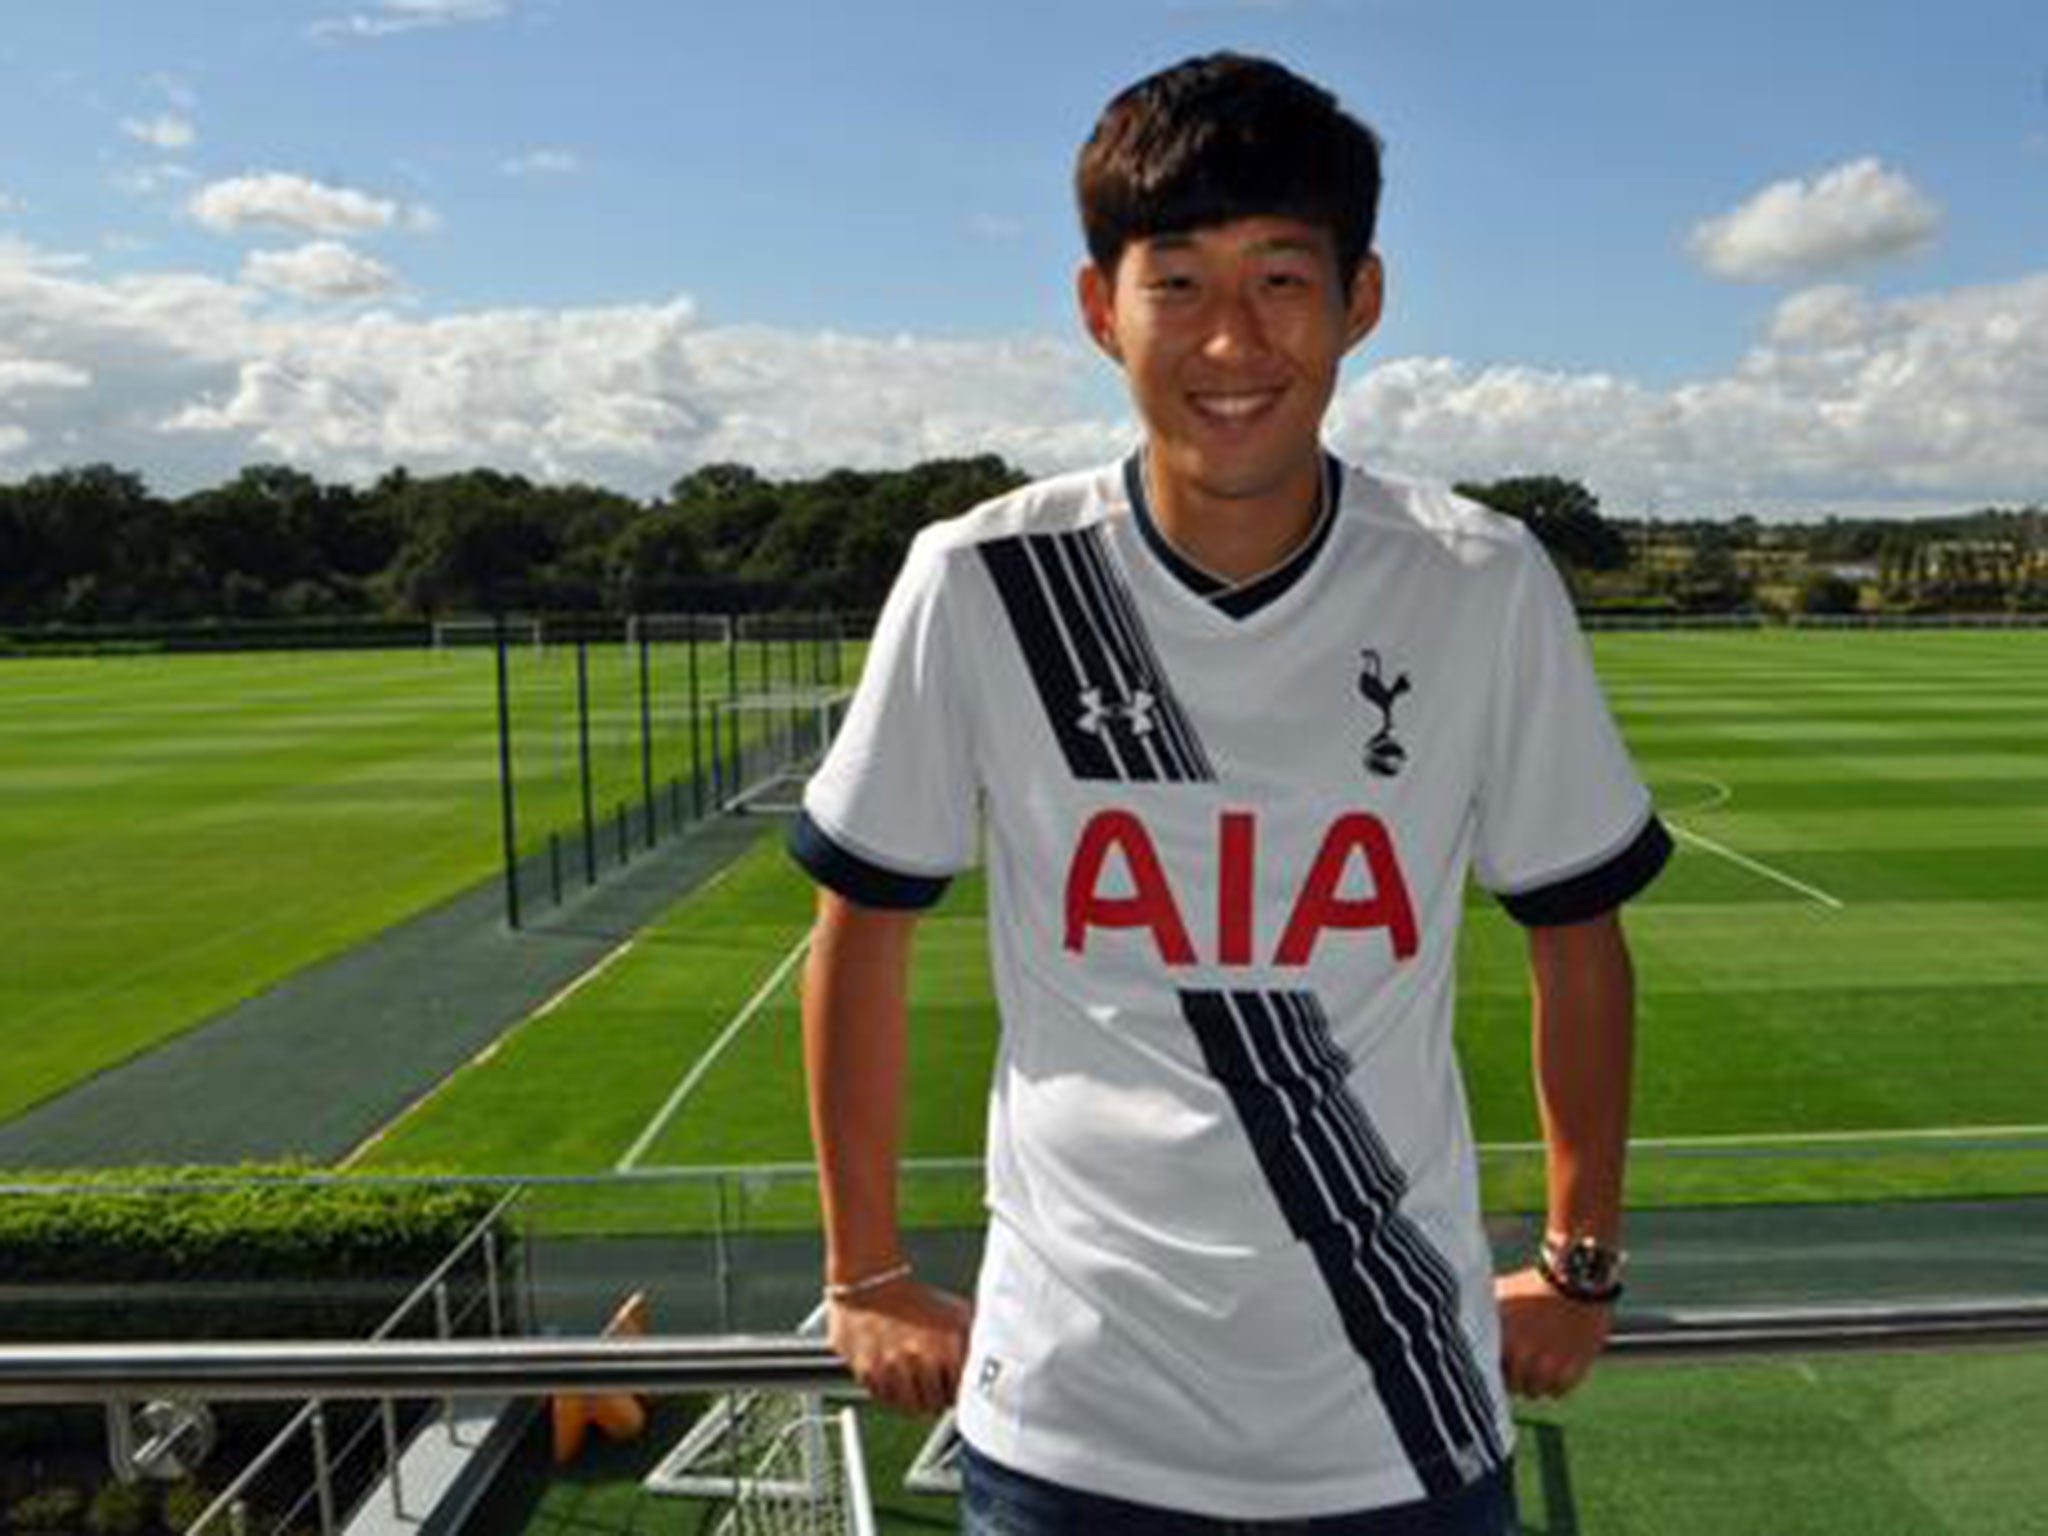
(1236, 537)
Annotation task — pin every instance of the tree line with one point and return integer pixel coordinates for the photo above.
(94, 545)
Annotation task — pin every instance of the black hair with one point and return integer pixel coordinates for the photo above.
(1221, 137)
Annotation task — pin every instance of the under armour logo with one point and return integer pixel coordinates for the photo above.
(1383, 755)
(1135, 712)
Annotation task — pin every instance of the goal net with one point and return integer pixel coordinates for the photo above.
(765, 745)
(777, 1464)
(712, 630)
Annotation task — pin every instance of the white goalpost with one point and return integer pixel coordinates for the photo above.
(782, 1463)
(765, 745)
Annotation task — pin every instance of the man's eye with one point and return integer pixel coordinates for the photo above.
(1170, 283)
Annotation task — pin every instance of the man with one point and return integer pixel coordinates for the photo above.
(1239, 718)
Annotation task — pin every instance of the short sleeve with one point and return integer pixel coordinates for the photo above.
(1566, 827)
(889, 816)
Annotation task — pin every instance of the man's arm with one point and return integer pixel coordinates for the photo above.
(1583, 1027)
(905, 1342)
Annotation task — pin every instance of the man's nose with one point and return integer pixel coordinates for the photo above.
(1235, 330)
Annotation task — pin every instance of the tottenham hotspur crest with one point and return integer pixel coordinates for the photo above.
(1383, 755)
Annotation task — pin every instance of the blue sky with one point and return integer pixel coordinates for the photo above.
(1785, 257)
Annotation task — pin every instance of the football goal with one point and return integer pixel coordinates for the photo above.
(451, 633)
(765, 745)
(780, 1463)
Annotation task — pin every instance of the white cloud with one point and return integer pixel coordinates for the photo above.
(1845, 400)
(276, 200)
(7, 204)
(1851, 216)
(167, 131)
(320, 269)
(1848, 399)
(390, 18)
(18, 375)
(541, 162)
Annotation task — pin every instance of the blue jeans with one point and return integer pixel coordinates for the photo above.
(995, 1501)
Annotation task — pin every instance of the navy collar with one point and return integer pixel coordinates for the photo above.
(1243, 598)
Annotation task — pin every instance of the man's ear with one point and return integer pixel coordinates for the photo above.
(1096, 290)
(1366, 301)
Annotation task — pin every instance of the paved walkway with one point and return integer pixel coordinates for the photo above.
(318, 1062)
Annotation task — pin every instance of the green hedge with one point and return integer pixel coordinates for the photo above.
(267, 1256)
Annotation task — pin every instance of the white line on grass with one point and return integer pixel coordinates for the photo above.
(1760, 1144)
(704, 1063)
(1764, 1142)
(489, 1049)
(1761, 868)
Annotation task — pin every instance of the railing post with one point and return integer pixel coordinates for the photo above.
(388, 1411)
(492, 1306)
(724, 1263)
(444, 1329)
(238, 1518)
(323, 1472)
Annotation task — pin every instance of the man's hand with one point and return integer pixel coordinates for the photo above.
(905, 1342)
(1548, 1342)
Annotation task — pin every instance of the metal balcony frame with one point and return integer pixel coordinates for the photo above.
(237, 1372)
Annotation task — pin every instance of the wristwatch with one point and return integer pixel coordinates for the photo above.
(1582, 1268)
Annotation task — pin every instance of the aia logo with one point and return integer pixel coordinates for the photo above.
(1354, 881)
(1383, 754)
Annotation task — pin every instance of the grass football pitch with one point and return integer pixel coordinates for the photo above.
(179, 832)
(1841, 977)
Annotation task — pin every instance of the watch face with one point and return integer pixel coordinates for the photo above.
(1584, 1266)
(1589, 1265)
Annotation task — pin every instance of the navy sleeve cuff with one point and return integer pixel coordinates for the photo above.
(860, 880)
(1604, 887)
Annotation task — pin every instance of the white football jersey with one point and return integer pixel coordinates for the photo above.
(1235, 1262)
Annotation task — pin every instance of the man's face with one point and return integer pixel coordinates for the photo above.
(1231, 336)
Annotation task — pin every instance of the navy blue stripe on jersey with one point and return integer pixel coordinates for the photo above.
(1059, 680)
(1339, 1190)
(1103, 690)
(1602, 888)
(861, 881)
(1121, 622)
(1238, 600)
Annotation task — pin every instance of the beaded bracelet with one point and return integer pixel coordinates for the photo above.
(839, 1290)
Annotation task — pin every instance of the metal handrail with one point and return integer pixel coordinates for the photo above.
(225, 1372)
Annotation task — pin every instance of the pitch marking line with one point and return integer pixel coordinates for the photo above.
(705, 1062)
(1761, 868)
(2020, 1135)
(489, 1049)
(1765, 1143)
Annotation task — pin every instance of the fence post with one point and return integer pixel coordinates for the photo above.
(583, 754)
(696, 732)
(507, 825)
(646, 742)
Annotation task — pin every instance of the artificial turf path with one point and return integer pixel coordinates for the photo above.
(318, 1062)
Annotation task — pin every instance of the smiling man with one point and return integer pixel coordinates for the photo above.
(1239, 719)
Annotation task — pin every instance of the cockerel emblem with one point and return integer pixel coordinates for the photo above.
(1383, 754)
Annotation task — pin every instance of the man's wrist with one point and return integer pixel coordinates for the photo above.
(871, 1280)
(1581, 1268)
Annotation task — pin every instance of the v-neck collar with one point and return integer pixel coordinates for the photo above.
(1237, 599)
